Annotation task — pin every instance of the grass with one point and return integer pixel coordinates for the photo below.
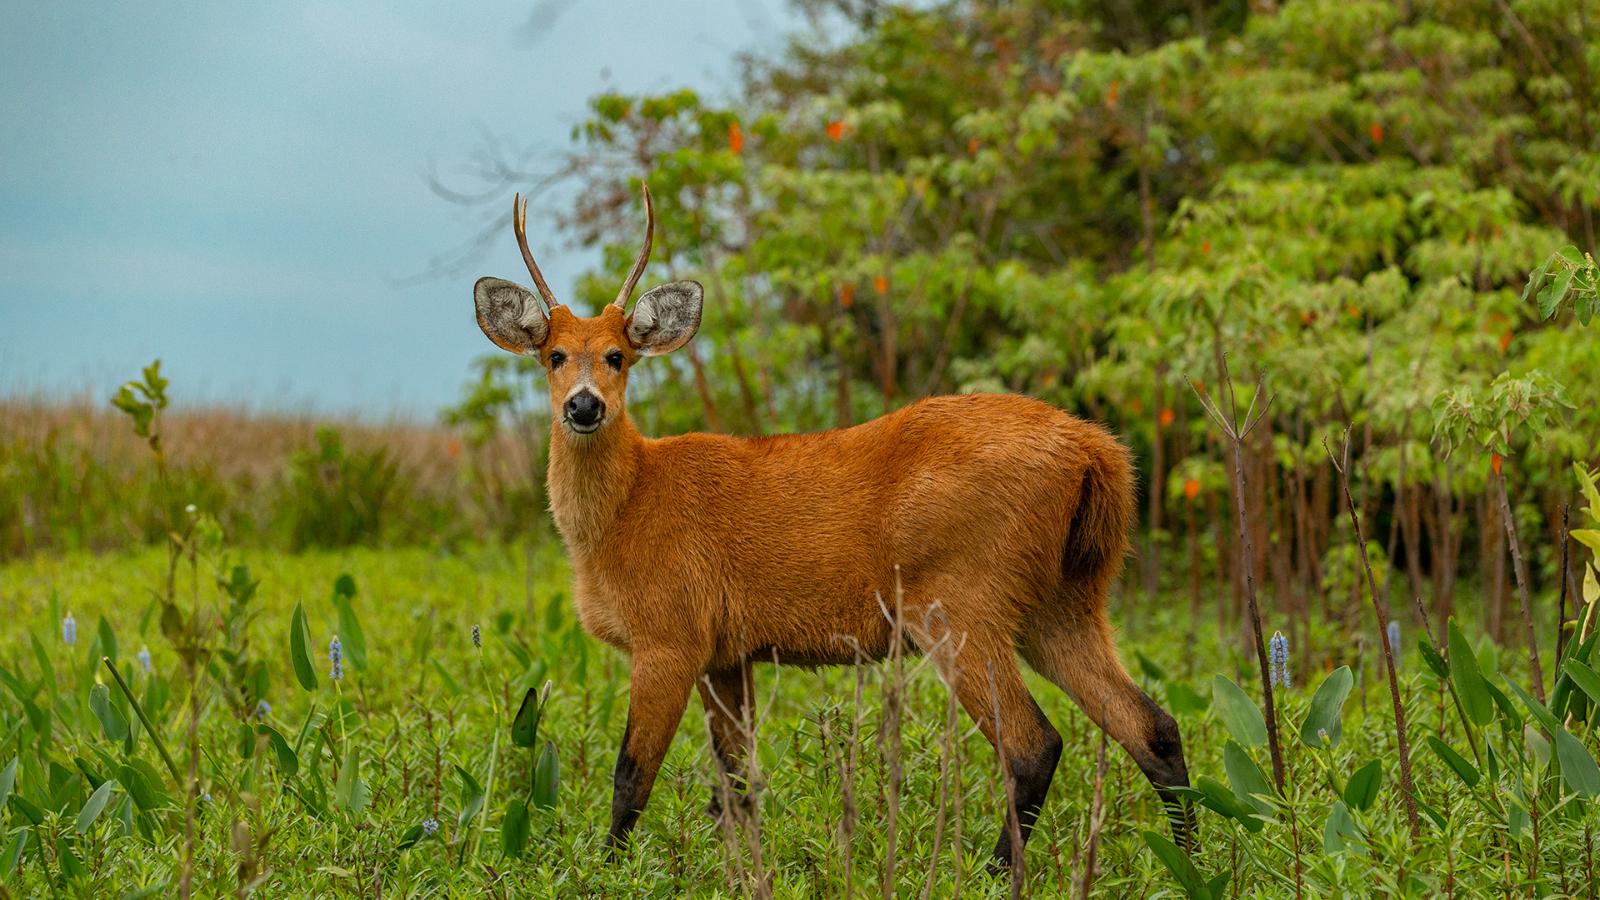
(428, 701)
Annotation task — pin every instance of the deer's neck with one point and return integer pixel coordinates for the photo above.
(590, 479)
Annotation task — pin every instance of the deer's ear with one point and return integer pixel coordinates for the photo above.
(510, 316)
(665, 318)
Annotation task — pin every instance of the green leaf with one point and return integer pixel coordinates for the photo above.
(350, 792)
(355, 640)
(546, 778)
(300, 649)
(1536, 280)
(1470, 686)
(113, 724)
(411, 837)
(70, 865)
(1327, 706)
(1177, 862)
(1589, 537)
(471, 796)
(28, 809)
(8, 781)
(1578, 769)
(1466, 771)
(1432, 659)
(96, 805)
(13, 854)
(1341, 831)
(108, 640)
(514, 829)
(1585, 678)
(1238, 713)
(288, 762)
(1249, 784)
(1219, 798)
(1433, 814)
(525, 727)
(1540, 714)
(1362, 788)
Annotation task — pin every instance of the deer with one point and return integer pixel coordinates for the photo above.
(999, 518)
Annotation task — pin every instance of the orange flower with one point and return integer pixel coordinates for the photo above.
(1494, 463)
(735, 138)
(1505, 342)
(1199, 387)
(847, 295)
(1377, 132)
(1205, 246)
(453, 449)
(1165, 417)
(836, 129)
(972, 146)
(1112, 91)
(1353, 310)
(1191, 489)
(881, 285)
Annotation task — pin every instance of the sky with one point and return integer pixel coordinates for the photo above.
(241, 190)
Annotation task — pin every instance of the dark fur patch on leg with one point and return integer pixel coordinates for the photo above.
(1031, 777)
(626, 799)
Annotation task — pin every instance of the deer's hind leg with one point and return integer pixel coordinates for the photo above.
(1075, 651)
(984, 676)
(726, 695)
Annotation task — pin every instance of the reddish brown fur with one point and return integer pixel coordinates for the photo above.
(699, 553)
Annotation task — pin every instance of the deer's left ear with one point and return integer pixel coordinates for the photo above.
(510, 316)
(665, 318)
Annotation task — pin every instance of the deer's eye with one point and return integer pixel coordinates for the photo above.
(614, 360)
(557, 358)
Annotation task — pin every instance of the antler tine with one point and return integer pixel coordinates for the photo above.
(519, 223)
(644, 254)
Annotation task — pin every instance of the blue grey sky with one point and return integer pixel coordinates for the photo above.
(240, 189)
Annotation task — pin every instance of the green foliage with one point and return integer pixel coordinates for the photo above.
(336, 496)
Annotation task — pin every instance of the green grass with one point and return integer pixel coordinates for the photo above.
(428, 701)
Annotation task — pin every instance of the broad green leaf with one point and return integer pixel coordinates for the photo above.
(471, 796)
(70, 865)
(95, 806)
(8, 781)
(288, 761)
(350, 633)
(411, 837)
(546, 778)
(1177, 862)
(1246, 778)
(1536, 281)
(1589, 537)
(1431, 657)
(1238, 712)
(300, 649)
(349, 791)
(1341, 831)
(1184, 701)
(1585, 678)
(1469, 682)
(1219, 798)
(1578, 768)
(1540, 714)
(13, 854)
(113, 724)
(1327, 707)
(1466, 771)
(108, 640)
(1362, 788)
(525, 727)
(514, 828)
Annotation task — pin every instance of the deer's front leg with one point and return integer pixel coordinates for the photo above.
(660, 690)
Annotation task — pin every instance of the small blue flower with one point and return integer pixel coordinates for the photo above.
(69, 630)
(1394, 636)
(477, 637)
(263, 708)
(1278, 655)
(430, 827)
(336, 657)
(144, 658)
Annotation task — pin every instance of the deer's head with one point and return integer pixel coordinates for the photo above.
(586, 359)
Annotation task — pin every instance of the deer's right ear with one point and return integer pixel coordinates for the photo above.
(510, 316)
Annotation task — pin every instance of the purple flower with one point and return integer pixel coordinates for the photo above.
(430, 827)
(144, 658)
(336, 657)
(69, 630)
(1394, 636)
(1278, 655)
(263, 708)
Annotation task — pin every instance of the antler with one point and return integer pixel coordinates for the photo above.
(644, 254)
(519, 222)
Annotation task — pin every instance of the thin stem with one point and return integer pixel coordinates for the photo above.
(155, 736)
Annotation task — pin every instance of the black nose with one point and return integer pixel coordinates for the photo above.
(584, 409)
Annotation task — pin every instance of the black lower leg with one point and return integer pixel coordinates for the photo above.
(1030, 777)
(1161, 760)
(628, 795)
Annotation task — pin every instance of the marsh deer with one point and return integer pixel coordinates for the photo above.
(1000, 518)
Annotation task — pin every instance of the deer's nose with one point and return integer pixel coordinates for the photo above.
(585, 409)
